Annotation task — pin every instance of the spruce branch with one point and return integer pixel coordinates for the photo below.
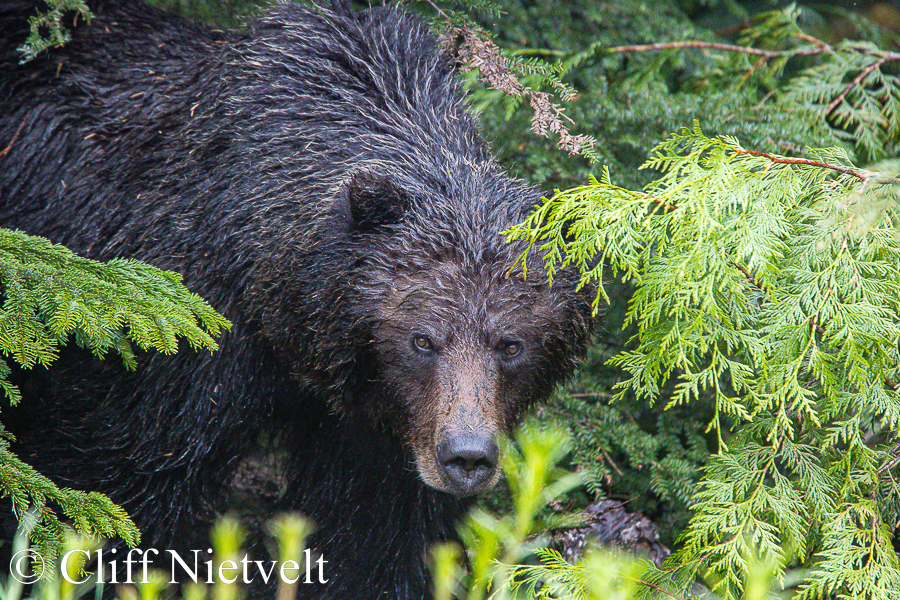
(48, 30)
(49, 296)
(92, 514)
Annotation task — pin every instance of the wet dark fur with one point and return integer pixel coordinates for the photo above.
(298, 174)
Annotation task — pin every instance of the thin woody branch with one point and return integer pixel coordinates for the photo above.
(438, 10)
(803, 161)
(856, 81)
(819, 48)
(15, 136)
(750, 278)
(716, 46)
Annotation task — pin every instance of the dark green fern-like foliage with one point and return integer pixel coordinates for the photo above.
(625, 446)
(50, 295)
(771, 284)
(774, 88)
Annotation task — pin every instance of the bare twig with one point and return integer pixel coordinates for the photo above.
(809, 38)
(893, 462)
(891, 56)
(760, 62)
(750, 278)
(438, 10)
(819, 329)
(662, 202)
(819, 48)
(9, 146)
(611, 462)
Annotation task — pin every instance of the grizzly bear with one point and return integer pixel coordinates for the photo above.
(317, 178)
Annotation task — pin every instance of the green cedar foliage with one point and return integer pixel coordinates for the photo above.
(771, 284)
(630, 101)
(50, 295)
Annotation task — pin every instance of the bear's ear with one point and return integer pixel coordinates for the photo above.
(375, 201)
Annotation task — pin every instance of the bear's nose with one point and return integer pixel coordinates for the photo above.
(468, 462)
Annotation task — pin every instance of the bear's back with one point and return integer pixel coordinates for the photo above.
(84, 123)
(144, 113)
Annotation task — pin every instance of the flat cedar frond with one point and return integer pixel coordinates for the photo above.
(772, 285)
(857, 97)
(545, 580)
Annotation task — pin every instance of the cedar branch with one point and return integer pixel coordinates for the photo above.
(716, 46)
(819, 48)
(803, 161)
(856, 81)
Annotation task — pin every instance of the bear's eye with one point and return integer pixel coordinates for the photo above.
(423, 343)
(511, 349)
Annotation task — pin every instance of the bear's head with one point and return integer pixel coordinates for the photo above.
(379, 271)
(457, 342)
